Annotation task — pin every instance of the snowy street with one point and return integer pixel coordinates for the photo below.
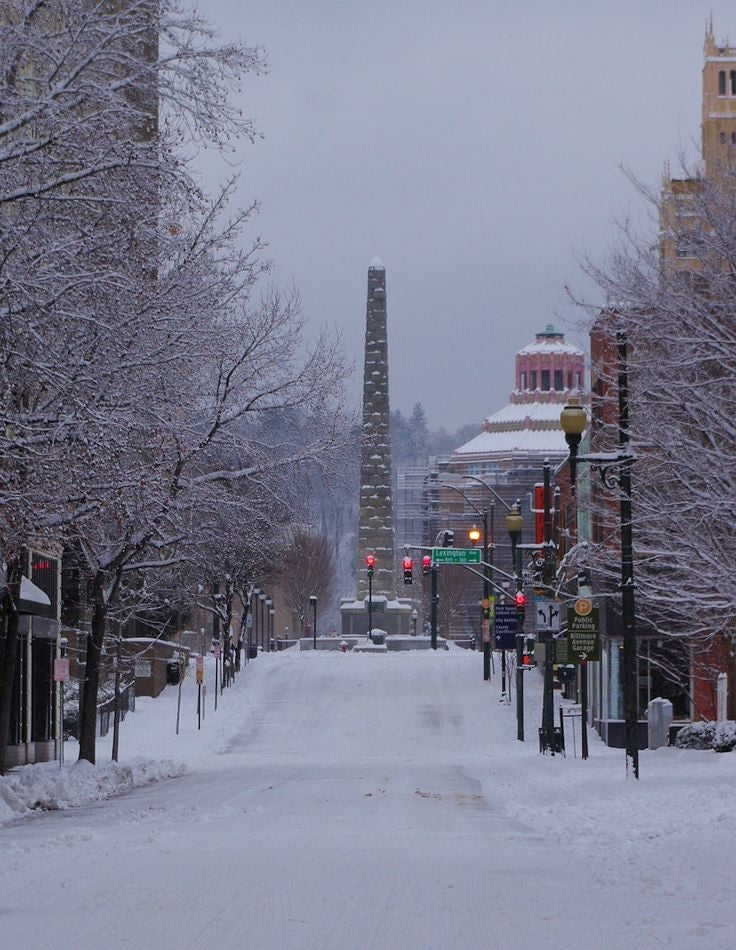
(377, 803)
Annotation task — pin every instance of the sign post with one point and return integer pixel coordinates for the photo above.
(583, 632)
(61, 676)
(199, 669)
(456, 556)
(504, 637)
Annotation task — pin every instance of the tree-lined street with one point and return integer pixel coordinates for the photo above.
(339, 801)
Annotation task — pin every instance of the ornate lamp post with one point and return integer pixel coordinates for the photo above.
(414, 618)
(370, 565)
(514, 526)
(313, 602)
(615, 472)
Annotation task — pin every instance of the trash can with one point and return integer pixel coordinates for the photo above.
(173, 672)
(252, 651)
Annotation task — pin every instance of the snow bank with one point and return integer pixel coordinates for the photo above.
(46, 787)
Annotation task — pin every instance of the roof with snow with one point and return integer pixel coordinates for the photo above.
(376, 264)
(549, 344)
(548, 441)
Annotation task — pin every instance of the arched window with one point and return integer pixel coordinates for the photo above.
(733, 82)
(522, 381)
(722, 83)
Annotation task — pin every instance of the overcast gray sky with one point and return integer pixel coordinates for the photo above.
(475, 146)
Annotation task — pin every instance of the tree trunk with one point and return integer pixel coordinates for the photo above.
(8, 654)
(88, 719)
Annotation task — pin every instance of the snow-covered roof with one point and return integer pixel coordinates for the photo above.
(376, 264)
(535, 412)
(550, 345)
(549, 441)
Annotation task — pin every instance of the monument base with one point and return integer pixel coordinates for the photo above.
(392, 616)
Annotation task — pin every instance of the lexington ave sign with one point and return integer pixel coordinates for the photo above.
(455, 555)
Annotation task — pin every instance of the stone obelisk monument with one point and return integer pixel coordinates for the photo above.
(376, 523)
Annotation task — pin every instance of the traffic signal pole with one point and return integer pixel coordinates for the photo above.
(519, 655)
(486, 611)
(434, 601)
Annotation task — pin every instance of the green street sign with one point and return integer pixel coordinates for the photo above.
(455, 555)
(583, 635)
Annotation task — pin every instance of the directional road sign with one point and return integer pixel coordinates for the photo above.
(547, 612)
(456, 555)
(583, 633)
(504, 632)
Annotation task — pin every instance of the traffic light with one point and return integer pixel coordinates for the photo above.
(370, 563)
(520, 603)
(448, 541)
(426, 564)
(527, 657)
(407, 570)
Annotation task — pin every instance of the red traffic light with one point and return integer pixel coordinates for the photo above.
(408, 574)
(370, 561)
(426, 564)
(527, 659)
(520, 599)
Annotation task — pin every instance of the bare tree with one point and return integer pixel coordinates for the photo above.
(307, 569)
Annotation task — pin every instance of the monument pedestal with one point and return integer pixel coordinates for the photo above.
(393, 616)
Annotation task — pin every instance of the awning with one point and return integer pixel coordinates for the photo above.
(33, 600)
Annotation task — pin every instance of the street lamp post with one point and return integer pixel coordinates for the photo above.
(313, 602)
(615, 472)
(414, 618)
(261, 600)
(514, 525)
(370, 563)
(548, 714)
(271, 613)
(269, 604)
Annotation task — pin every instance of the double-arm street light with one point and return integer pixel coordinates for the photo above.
(615, 472)
(474, 536)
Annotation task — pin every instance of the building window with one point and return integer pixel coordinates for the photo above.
(577, 376)
(533, 380)
(559, 380)
(522, 378)
(722, 83)
(733, 82)
(722, 137)
(545, 380)
(569, 379)
(733, 138)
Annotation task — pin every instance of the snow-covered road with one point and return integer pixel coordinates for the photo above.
(364, 803)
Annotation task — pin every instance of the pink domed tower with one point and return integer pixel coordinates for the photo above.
(549, 369)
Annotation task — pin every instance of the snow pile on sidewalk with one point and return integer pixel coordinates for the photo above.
(46, 787)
